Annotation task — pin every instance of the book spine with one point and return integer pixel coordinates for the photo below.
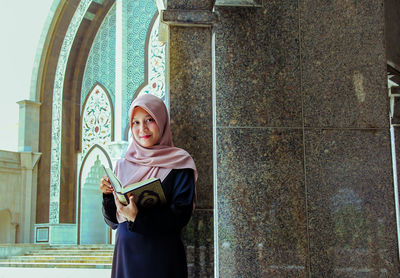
(126, 198)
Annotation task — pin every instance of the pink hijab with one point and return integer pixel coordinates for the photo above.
(142, 163)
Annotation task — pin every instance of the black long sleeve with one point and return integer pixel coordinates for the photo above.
(179, 190)
(110, 211)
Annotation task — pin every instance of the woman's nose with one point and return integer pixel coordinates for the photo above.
(143, 126)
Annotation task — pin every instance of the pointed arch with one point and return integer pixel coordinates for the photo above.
(56, 83)
(103, 150)
(91, 226)
(97, 119)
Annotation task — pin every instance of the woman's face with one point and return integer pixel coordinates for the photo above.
(144, 128)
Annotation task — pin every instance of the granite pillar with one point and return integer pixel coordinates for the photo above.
(261, 202)
(304, 183)
(190, 85)
(239, 3)
(351, 211)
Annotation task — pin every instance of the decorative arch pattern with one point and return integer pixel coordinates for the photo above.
(155, 79)
(100, 65)
(140, 14)
(155, 83)
(97, 119)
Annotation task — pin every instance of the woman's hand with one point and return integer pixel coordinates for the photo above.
(129, 211)
(105, 185)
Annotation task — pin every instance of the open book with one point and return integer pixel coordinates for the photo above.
(147, 193)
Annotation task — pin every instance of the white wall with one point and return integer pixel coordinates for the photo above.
(18, 172)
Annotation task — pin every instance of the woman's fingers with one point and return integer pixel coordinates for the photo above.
(117, 202)
(105, 185)
(133, 205)
(130, 211)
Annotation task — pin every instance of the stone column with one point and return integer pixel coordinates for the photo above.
(118, 147)
(348, 165)
(120, 66)
(304, 174)
(261, 226)
(28, 130)
(29, 170)
(190, 83)
(28, 145)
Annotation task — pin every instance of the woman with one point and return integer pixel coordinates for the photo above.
(148, 242)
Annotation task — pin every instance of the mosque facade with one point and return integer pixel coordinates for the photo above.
(289, 109)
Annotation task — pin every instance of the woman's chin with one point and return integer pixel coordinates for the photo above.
(146, 144)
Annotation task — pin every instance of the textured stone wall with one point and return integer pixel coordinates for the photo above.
(190, 86)
(191, 125)
(304, 178)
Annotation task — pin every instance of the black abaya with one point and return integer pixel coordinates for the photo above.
(151, 246)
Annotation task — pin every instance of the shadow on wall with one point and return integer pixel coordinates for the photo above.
(7, 229)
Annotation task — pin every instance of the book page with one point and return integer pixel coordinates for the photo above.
(113, 179)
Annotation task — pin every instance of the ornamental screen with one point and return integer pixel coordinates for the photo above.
(96, 120)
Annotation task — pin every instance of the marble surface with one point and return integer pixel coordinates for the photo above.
(294, 199)
(187, 18)
(191, 102)
(261, 203)
(198, 237)
(190, 4)
(258, 66)
(392, 32)
(260, 179)
(351, 213)
(250, 3)
(343, 64)
(190, 86)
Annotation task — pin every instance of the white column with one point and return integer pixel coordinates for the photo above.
(29, 179)
(28, 130)
(120, 67)
(118, 147)
(394, 155)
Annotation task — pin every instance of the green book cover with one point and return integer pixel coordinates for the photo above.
(146, 193)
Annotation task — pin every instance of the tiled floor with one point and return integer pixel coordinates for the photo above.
(20, 272)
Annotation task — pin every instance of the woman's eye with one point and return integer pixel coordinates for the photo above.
(135, 123)
(150, 120)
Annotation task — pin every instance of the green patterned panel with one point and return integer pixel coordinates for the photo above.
(139, 16)
(100, 65)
